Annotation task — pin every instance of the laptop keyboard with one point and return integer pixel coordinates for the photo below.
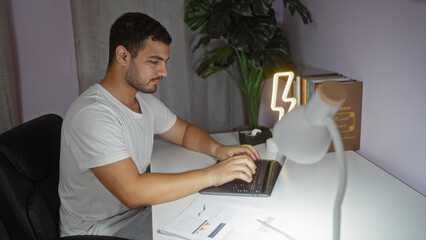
(256, 185)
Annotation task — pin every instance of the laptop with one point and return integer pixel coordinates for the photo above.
(263, 182)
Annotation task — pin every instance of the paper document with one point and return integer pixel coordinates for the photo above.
(202, 219)
(261, 225)
(207, 219)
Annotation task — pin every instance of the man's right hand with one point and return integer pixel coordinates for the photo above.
(236, 167)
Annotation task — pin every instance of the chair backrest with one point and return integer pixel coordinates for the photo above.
(29, 176)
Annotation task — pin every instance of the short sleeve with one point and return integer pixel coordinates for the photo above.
(163, 118)
(95, 137)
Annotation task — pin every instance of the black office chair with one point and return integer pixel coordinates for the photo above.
(29, 176)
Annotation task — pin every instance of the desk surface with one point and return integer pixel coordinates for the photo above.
(376, 205)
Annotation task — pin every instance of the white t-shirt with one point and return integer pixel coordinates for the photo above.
(98, 130)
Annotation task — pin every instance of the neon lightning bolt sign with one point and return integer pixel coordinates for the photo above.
(292, 101)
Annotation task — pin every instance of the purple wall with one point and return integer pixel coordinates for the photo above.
(383, 44)
(45, 56)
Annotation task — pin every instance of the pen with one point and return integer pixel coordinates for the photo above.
(276, 229)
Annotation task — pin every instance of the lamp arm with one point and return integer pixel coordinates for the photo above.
(341, 161)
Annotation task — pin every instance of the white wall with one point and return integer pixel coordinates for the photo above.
(47, 75)
(383, 44)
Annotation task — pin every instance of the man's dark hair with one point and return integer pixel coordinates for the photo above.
(131, 29)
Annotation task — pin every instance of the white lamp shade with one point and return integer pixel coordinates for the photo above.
(302, 134)
(300, 140)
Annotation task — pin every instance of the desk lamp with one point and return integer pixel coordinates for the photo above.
(304, 135)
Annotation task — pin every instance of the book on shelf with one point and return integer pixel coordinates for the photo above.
(302, 81)
(313, 84)
(348, 118)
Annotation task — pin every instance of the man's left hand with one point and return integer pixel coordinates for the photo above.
(226, 151)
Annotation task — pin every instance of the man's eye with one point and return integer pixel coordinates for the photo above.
(154, 62)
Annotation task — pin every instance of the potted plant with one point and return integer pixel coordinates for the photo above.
(250, 42)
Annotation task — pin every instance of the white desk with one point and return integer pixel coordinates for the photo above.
(376, 205)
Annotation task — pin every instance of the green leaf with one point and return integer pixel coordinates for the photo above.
(196, 13)
(219, 20)
(217, 60)
(202, 42)
(252, 33)
(250, 8)
(276, 56)
(207, 71)
(297, 6)
(261, 7)
(242, 7)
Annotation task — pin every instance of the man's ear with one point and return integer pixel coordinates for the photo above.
(122, 55)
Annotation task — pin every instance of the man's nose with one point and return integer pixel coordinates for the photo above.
(163, 70)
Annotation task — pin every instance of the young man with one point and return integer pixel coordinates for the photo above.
(108, 134)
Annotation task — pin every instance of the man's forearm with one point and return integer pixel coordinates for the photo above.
(161, 187)
(198, 140)
(134, 189)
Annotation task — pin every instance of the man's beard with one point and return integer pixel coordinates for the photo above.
(133, 79)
